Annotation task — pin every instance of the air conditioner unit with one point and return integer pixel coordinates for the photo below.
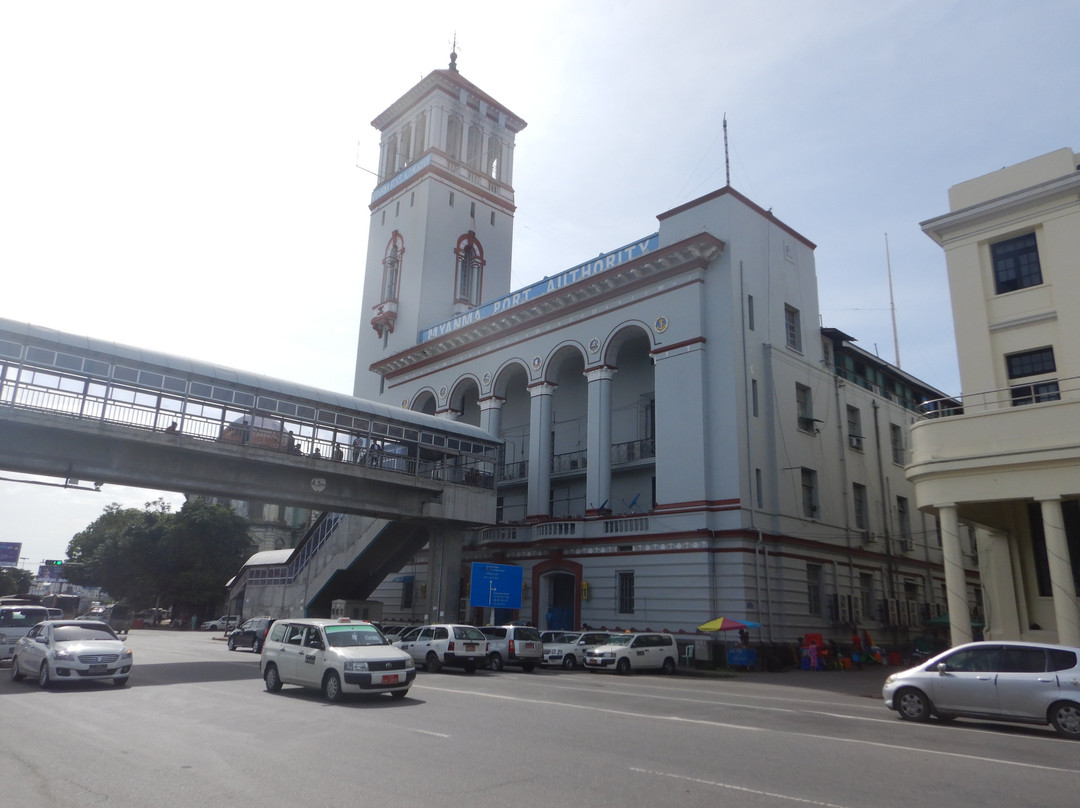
(855, 442)
(868, 537)
(907, 545)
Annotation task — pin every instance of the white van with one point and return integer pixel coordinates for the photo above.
(632, 651)
(15, 623)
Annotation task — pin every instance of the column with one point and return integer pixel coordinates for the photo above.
(540, 448)
(598, 443)
(1061, 578)
(955, 576)
(491, 414)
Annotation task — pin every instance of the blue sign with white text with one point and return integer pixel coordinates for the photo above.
(495, 586)
(9, 553)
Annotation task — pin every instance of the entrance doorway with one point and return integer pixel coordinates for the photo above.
(561, 601)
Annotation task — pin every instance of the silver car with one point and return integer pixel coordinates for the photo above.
(1024, 682)
(71, 651)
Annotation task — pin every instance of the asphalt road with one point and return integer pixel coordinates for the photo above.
(196, 727)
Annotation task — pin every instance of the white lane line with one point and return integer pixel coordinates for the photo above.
(427, 732)
(731, 787)
(744, 728)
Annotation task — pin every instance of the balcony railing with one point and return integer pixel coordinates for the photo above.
(1004, 398)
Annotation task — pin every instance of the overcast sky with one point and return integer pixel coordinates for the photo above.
(194, 177)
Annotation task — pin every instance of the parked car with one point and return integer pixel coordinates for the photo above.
(1024, 682)
(337, 656)
(447, 645)
(568, 648)
(15, 621)
(250, 634)
(632, 651)
(513, 645)
(223, 623)
(71, 651)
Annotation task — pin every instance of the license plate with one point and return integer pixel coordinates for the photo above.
(390, 679)
(529, 646)
(98, 668)
(470, 646)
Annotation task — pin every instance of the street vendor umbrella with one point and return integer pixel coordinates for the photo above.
(727, 624)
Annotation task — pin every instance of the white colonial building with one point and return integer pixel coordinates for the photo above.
(682, 439)
(1006, 464)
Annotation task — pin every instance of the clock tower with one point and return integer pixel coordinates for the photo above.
(442, 215)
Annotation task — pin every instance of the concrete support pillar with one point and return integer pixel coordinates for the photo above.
(1066, 609)
(1000, 578)
(444, 575)
(955, 576)
(540, 450)
(598, 470)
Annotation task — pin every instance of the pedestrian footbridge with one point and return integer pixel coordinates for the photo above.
(83, 409)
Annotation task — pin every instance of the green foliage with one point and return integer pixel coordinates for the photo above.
(155, 557)
(14, 581)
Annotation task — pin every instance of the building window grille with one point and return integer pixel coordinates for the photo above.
(626, 592)
(793, 328)
(1016, 264)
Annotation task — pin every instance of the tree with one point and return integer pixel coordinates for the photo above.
(155, 557)
(14, 581)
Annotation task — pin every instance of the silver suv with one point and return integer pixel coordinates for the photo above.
(513, 645)
(445, 645)
(16, 620)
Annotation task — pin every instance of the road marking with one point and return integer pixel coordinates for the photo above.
(428, 732)
(744, 728)
(743, 789)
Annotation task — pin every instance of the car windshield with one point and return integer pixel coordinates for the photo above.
(22, 618)
(468, 633)
(353, 636)
(567, 638)
(619, 639)
(77, 633)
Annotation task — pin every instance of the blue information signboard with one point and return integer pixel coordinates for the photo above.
(9, 553)
(495, 586)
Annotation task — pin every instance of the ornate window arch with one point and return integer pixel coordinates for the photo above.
(468, 278)
(386, 310)
(395, 252)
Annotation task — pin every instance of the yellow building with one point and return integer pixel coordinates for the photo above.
(1005, 468)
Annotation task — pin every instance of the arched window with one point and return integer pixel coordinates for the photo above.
(453, 138)
(494, 158)
(420, 141)
(390, 158)
(395, 250)
(470, 268)
(476, 147)
(406, 144)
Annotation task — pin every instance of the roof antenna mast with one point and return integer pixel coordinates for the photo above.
(453, 54)
(892, 304)
(727, 163)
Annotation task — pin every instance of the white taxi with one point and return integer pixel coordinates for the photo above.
(633, 651)
(335, 656)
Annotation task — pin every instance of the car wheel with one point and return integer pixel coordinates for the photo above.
(668, 667)
(495, 662)
(272, 679)
(398, 694)
(332, 687)
(623, 666)
(43, 676)
(1065, 716)
(432, 663)
(120, 681)
(569, 662)
(470, 666)
(256, 646)
(528, 667)
(912, 705)
(232, 643)
(16, 674)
